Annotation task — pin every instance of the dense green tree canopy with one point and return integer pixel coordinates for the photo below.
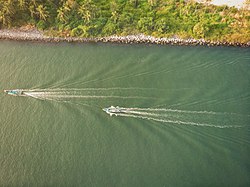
(161, 18)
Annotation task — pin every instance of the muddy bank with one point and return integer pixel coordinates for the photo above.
(35, 35)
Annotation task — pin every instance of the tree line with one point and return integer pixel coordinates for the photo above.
(161, 18)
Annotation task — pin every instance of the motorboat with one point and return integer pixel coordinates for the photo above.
(114, 110)
(17, 92)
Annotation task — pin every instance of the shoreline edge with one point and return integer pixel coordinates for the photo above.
(36, 35)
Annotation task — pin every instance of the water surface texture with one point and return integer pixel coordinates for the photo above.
(185, 119)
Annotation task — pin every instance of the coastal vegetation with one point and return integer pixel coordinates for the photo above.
(159, 18)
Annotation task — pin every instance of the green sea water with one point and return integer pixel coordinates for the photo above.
(186, 119)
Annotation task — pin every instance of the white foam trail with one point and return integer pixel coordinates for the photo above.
(28, 94)
(180, 111)
(41, 93)
(170, 116)
(142, 113)
(86, 89)
(100, 89)
(49, 95)
(99, 97)
(177, 121)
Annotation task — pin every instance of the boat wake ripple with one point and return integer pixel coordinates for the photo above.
(87, 93)
(163, 115)
(181, 117)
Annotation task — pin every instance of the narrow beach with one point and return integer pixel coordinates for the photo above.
(36, 35)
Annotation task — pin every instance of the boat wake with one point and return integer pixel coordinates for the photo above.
(87, 93)
(180, 117)
(163, 115)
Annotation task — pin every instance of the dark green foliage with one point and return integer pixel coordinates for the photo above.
(89, 18)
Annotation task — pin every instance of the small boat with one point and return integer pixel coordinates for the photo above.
(17, 92)
(114, 110)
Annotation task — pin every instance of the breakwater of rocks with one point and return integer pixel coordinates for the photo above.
(35, 35)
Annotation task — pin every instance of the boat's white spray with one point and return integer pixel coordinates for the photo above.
(163, 115)
(85, 93)
(170, 116)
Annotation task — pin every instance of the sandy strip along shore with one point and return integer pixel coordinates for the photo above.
(35, 35)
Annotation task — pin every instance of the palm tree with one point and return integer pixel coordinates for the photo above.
(152, 2)
(113, 6)
(33, 2)
(7, 10)
(114, 9)
(22, 4)
(8, 7)
(32, 11)
(87, 10)
(87, 16)
(114, 16)
(84, 13)
(5, 18)
(64, 11)
(2, 17)
(42, 12)
(61, 14)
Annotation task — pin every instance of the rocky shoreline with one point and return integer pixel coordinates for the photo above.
(35, 35)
